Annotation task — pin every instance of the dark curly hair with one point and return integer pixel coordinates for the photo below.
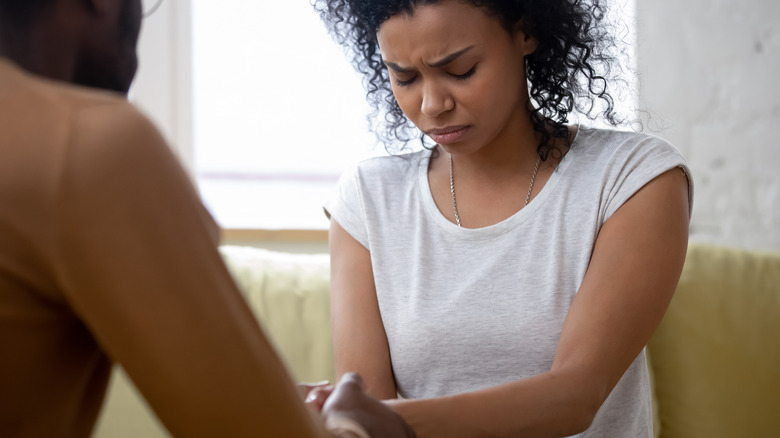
(570, 70)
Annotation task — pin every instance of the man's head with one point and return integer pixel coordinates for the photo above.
(86, 42)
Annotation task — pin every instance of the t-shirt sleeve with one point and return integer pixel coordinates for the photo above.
(345, 206)
(138, 262)
(636, 163)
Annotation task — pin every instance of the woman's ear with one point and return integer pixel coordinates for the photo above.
(524, 39)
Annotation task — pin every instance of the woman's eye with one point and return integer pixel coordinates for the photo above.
(404, 83)
(466, 75)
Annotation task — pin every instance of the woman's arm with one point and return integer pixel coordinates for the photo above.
(636, 263)
(360, 342)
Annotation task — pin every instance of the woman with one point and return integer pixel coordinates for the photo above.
(505, 281)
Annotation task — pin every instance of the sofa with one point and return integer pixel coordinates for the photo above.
(715, 358)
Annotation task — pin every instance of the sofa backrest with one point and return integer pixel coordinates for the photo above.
(716, 355)
(290, 296)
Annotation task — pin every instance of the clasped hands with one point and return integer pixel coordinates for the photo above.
(348, 400)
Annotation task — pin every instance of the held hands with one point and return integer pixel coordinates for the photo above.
(347, 403)
(315, 394)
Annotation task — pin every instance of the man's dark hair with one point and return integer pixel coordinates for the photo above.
(15, 14)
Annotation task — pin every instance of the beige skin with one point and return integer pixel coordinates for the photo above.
(629, 283)
(81, 42)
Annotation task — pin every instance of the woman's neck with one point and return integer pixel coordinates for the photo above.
(513, 149)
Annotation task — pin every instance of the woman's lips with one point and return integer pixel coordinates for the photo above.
(450, 134)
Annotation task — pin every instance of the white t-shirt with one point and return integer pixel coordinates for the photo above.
(466, 309)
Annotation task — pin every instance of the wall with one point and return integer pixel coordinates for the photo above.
(709, 77)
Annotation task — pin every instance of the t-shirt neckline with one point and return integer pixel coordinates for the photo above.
(507, 224)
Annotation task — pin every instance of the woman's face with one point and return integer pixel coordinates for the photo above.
(456, 73)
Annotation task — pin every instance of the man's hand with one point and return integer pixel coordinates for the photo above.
(315, 394)
(349, 400)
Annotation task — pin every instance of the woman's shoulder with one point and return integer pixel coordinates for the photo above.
(600, 146)
(391, 166)
(596, 140)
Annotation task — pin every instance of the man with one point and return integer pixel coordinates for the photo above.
(107, 254)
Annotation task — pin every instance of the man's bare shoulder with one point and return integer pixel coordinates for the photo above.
(79, 129)
(23, 93)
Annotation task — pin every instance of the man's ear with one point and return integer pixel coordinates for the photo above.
(97, 6)
(523, 35)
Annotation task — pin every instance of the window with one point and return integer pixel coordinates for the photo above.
(279, 113)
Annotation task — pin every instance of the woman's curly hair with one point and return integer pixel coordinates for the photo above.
(570, 70)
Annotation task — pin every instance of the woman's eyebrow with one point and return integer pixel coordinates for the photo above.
(449, 58)
(397, 67)
(436, 64)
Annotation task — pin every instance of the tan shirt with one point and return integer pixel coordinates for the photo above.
(107, 254)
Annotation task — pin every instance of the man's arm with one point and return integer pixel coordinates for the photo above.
(138, 259)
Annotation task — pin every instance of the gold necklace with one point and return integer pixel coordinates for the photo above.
(455, 203)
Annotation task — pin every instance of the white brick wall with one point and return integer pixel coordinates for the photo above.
(709, 72)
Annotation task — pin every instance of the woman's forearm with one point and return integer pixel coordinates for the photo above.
(546, 405)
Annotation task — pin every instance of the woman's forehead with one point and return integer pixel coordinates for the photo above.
(442, 27)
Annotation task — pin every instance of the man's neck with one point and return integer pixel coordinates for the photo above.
(40, 50)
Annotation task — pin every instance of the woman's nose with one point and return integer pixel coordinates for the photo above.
(436, 99)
